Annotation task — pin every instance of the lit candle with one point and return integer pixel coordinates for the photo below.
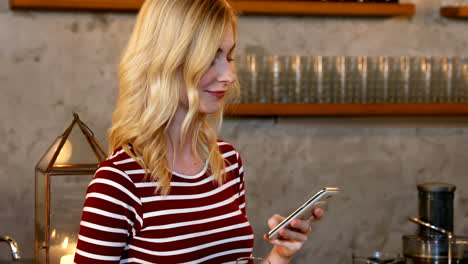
(63, 253)
(68, 259)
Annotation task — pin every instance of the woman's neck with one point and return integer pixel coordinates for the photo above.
(174, 144)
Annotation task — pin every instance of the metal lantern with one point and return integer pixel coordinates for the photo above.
(61, 180)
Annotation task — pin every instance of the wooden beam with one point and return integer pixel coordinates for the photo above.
(265, 7)
(120, 5)
(454, 12)
(322, 8)
(347, 109)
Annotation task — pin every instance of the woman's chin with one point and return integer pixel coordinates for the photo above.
(211, 109)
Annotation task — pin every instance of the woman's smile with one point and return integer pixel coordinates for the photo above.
(217, 94)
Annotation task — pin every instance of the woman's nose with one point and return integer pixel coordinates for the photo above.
(228, 74)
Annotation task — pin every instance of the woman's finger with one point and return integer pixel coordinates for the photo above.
(275, 220)
(317, 213)
(301, 225)
(288, 234)
(293, 246)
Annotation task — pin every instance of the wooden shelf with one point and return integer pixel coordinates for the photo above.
(116, 5)
(454, 12)
(271, 7)
(322, 8)
(347, 109)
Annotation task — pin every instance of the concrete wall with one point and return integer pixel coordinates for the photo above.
(54, 63)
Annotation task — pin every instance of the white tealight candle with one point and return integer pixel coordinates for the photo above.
(63, 253)
(68, 259)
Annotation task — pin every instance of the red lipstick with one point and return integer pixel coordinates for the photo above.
(218, 95)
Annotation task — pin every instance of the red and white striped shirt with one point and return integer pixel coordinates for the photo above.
(124, 221)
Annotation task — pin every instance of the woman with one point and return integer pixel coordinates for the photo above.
(171, 192)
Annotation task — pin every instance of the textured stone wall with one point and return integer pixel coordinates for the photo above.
(377, 163)
(54, 63)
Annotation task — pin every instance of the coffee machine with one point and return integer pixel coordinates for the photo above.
(435, 242)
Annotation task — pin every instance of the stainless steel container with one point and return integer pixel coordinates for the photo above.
(431, 244)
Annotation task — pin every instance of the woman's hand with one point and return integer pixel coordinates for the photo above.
(292, 239)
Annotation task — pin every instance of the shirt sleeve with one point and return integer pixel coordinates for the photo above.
(241, 199)
(110, 217)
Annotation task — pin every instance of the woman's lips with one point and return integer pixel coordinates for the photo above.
(218, 95)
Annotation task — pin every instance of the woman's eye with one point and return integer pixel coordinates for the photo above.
(229, 59)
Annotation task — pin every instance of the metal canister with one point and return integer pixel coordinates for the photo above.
(430, 246)
(436, 208)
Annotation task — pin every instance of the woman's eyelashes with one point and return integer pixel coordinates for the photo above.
(218, 57)
(230, 56)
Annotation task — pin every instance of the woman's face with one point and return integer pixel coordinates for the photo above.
(216, 80)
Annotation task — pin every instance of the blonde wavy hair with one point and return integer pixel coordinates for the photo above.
(170, 36)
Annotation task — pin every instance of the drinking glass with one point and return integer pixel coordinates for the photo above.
(377, 257)
(363, 76)
(464, 77)
(447, 76)
(297, 79)
(248, 72)
(404, 63)
(277, 79)
(252, 260)
(339, 80)
(382, 80)
(245, 77)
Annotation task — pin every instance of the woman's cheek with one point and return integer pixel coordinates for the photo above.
(207, 78)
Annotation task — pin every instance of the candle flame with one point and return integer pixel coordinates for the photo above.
(54, 233)
(65, 243)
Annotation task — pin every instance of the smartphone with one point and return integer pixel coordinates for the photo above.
(305, 210)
